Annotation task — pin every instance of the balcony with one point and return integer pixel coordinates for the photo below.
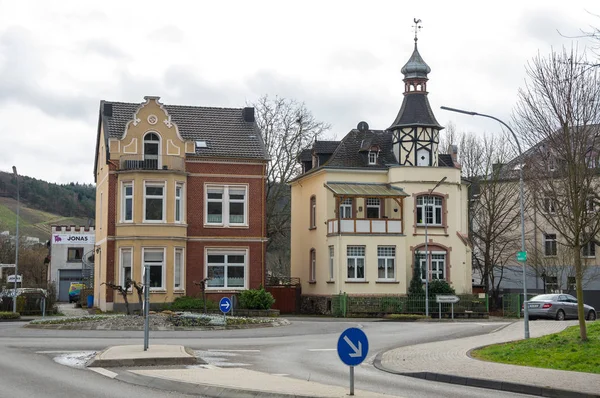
(364, 226)
(151, 162)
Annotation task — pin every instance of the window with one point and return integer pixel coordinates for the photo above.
(74, 254)
(155, 260)
(386, 258)
(549, 206)
(126, 261)
(226, 269)
(356, 262)
(551, 163)
(313, 266)
(151, 151)
(590, 204)
(373, 205)
(154, 202)
(346, 208)
(313, 212)
(588, 250)
(431, 206)
(226, 205)
(550, 245)
(178, 270)
(438, 265)
(591, 159)
(331, 262)
(178, 202)
(372, 158)
(127, 203)
(551, 283)
(571, 284)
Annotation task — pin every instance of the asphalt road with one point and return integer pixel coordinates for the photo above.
(305, 350)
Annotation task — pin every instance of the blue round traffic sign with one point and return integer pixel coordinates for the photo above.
(225, 305)
(353, 346)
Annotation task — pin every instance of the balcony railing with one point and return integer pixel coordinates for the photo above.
(151, 162)
(364, 226)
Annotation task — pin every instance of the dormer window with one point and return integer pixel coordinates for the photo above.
(372, 158)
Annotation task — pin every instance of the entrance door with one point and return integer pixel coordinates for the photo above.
(66, 276)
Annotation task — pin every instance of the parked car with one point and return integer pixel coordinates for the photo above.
(75, 291)
(557, 306)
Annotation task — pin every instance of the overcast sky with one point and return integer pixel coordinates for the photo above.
(58, 59)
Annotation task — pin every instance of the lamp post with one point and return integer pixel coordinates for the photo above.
(525, 309)
(427, 263)
(16, 241)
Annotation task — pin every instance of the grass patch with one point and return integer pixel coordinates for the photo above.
(561, 351)
(405, 317)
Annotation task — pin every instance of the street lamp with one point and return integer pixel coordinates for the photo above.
(16, 242)
(525, 309)
(427, 263)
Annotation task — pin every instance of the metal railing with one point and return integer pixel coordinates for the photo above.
(151, 162)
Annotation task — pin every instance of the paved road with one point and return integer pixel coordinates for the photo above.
(303, 350)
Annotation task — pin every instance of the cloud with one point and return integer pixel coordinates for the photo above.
(168, 33)
(103, 48)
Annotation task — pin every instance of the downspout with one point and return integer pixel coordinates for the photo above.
(263, 228)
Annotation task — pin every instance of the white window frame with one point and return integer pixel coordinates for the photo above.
(369, 205)
(312, 272)
(423, 203)
(179, 203)
(181, 251)
(157, 143)
(122, 265)
(435, 270)
(331, 263)
(163, 286)
(382, 254)
(546, 241)
(313, 212)
(225, 201)
(372, 158)
(346, 208)
(161, 184)
(354, 258)
(227, 252)
(124, 198)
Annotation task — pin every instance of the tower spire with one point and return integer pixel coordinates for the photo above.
(417, 28)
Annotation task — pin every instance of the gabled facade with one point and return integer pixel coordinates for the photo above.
(359, 218)
(180, 190)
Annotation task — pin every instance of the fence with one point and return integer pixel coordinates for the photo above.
(469, 305)
(512, 304)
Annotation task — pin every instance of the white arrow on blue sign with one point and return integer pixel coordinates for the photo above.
(225, 305)
(353, 346)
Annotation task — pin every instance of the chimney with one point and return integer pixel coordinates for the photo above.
(453, 151)
(248, 114)
(107, 110)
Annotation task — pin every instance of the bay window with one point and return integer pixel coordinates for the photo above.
(155, 260)
(154, 201)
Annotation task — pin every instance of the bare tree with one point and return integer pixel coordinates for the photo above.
(124, 290)
(287, 128)
(494, 215)
(557, 115)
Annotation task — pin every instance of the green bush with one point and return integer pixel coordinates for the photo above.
(10, 315)
(187, 303)
(256, 299)
(437, 286)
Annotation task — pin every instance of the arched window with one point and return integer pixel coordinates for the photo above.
(313, 212)
(151, 151)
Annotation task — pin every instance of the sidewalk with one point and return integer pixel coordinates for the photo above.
(449, 362)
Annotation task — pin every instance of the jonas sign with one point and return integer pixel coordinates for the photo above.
(71, 239)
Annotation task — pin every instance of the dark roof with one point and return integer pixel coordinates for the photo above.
(225, 131)
(305, 155)
(348, 152)
(415, 111)
(445, 160)
(415, 67)
(325, 147)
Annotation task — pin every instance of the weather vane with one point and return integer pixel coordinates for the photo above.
(417, 27)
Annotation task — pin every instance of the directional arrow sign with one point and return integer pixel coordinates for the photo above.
(353, 346)
(225, 305)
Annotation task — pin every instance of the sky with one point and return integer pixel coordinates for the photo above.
(341, 58)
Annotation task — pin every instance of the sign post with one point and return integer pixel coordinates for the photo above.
(146, 306)
(225, 306)
(521, 256)
(446, 298)
(352, 348)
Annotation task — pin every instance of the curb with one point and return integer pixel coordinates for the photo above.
(74, 326)
(485, 383)
(205, 390)
(97, 362)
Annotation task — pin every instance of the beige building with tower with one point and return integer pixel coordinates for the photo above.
(362, 206)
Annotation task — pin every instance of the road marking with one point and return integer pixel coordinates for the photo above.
(322, 349)
(234, 350)
(280, 374)
(104, 372)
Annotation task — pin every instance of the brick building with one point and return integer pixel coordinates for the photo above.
(181, 190)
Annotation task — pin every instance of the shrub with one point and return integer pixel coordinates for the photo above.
(256, 299)
(10, 315)
(437, 286)
(187, 303)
